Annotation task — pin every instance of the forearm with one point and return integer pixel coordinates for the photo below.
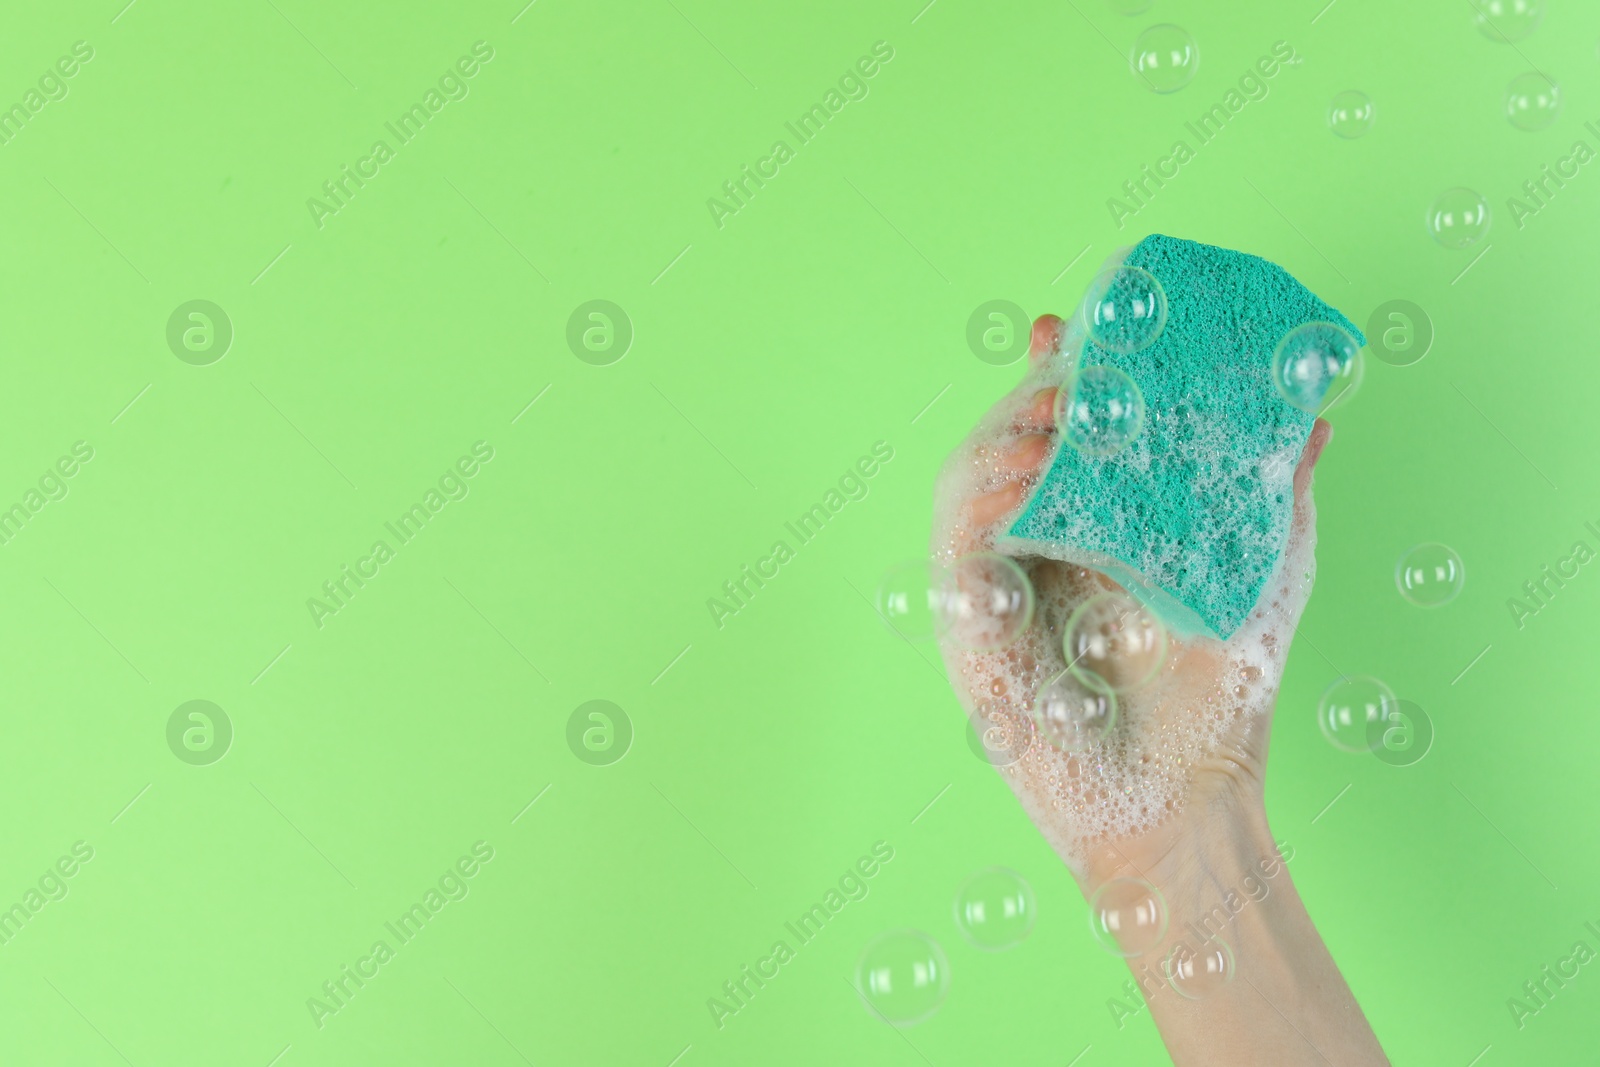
(1286, 1002)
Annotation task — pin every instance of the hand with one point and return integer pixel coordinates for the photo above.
(1173, 792)
(1188, 747)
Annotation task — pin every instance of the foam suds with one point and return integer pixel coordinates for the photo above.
(1209, 693)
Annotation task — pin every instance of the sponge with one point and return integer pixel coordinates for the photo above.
(1193, 515)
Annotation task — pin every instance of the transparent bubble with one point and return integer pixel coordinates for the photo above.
(995, 909)
(1459, 218)
(987, 602)
(1532, 101)
(1116, 641)
(1507, 20)
(1349, 707)
(903, 976)
(911, 598)
(1430, 575)
(1100, 411)
(1350, 115)
(1128, 916)
(1073, 712)
(1165, 58)
(1317, 365)
(1003, 734)
(1198, 972)
(1125, 310)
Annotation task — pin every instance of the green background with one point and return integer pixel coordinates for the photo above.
(768, 355)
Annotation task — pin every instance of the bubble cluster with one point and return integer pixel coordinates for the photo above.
(1532, 101)
(1199, 972)
(1125, 310)
(1128, 916)
(1316, 365)
(1430, 575)
(903, 976)
(1100, 411)
(1507, 20)
(995, 909)
(1350, 115)
(1459, 218)
(1116, 641)
(1003, 735)
(1165, 58)
(1348, 709)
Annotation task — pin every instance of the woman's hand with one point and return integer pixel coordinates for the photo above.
(1172, 793)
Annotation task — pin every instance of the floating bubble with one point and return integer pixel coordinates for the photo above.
(1316, 365)
(1200, 972)
(987, 602)
(1350, 115)
(1128, 916)
(911, 598)
(995, 909)
(1507, 20)
(1430, 575)
(1459, 218)
(1002, 736)
(1116, 640)
(1532, 101)
(1165, 58)
(1073, 712)
(1125, 310)
(903, 977)
(1100, 411)
(1348, 709)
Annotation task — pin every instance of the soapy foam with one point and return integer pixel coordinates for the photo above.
(1139, 775)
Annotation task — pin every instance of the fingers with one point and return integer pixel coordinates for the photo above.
(1040, 412)
(1046, 339)
(1321, 434)
(1020, 462)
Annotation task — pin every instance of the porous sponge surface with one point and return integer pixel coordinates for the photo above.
(1194, 514)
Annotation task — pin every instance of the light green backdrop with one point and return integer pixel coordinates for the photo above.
(369, 754)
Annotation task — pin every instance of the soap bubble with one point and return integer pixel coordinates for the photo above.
(987, 602)
(1199, 972)
(995, 909)
(1116, 640)
(1002, 735)
(1507, 20)
(1125, 310)
(1072, 712)
(1128, 916)
(1316, 365)
(903, 976)
(1532, 101)
(1165, 57)
(1350, 114)
(1100, 411)
(911, 598)
(1349, 706)
(1430, 575)
(1459, 218)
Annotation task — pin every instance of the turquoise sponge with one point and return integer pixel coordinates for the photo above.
(1193, 515)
